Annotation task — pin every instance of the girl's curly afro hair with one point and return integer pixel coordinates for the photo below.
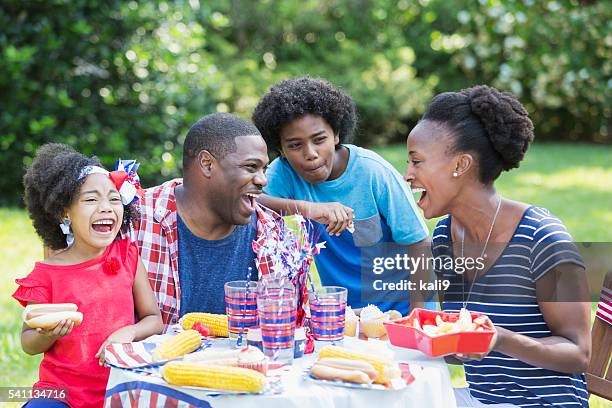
(51, 184)
(492, 124)
(293, 98)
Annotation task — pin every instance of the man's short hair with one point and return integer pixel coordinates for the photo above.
(216, 133)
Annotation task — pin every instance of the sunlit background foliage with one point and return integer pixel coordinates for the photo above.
(119, 78)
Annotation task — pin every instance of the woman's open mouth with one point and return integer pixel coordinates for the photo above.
(423, 192)
(103, 226)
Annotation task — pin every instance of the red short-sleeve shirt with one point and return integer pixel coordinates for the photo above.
(102, 290)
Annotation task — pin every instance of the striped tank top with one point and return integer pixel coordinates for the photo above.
(507, 294)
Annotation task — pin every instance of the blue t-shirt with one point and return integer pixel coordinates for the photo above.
(205, 266)
(507, 294)
(385, 212)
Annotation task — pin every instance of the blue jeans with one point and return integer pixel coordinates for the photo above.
(45, 403)
(465, 400)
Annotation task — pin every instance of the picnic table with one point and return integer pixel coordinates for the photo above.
(431, 387)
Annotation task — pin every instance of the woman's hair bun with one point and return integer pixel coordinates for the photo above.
(505, 121)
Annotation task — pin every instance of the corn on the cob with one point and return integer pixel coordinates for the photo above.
(183, 343)
(217, 323)
(212, 376)
(386, 369)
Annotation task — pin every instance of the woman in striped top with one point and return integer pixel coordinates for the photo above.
(528, 263)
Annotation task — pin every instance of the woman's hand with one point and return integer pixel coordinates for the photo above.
(492, 344)
(123, 335)
(62, 329)
(338, 217)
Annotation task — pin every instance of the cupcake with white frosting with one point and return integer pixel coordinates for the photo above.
(251, 357)
(371, 321)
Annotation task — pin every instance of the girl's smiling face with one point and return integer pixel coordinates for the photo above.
(96, 214)
(430, 168)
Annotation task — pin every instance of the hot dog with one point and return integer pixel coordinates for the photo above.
(46, 315)
(39, 309)
(50, 320)
(324, 372)
(346, 364)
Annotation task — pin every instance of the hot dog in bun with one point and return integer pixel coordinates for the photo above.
(359, 372)
(48, 315)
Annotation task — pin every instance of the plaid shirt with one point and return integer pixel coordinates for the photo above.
(156, 234)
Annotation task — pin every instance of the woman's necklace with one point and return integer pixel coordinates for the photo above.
(484, 249)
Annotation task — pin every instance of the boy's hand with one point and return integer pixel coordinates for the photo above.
(62, 329)
(123, 335)
(338, 217)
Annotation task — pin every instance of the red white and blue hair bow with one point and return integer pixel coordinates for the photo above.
(126, 180)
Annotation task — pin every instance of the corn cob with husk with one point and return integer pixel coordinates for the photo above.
(176, 346)
(217, 323)
(196, 374)
(387, 369)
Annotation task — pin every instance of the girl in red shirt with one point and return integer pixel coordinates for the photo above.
(78, 209)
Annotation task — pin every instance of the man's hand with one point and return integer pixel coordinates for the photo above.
(123, 335)
(338, 217)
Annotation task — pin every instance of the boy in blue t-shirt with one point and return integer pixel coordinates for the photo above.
(309, 122)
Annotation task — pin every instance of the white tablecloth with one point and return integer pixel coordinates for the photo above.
(431, 388)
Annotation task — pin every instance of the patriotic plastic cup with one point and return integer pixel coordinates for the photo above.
(276, 306)
(241, 306)
(327, 311)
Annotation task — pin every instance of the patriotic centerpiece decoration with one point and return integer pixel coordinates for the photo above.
(287, 253)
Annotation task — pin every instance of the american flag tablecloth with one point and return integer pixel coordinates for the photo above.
(145, 394)
(134, 387)
(149, 388)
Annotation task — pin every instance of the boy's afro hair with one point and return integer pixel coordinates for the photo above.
(293, 98)
(51, 184)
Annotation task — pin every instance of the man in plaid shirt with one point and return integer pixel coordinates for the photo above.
(224, 160)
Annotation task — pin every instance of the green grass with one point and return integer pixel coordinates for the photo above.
(20, 248)
(572, 181)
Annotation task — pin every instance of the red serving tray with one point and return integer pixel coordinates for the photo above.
(402, 334)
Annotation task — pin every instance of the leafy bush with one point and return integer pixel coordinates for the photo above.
(556, 56)
(126, 79)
